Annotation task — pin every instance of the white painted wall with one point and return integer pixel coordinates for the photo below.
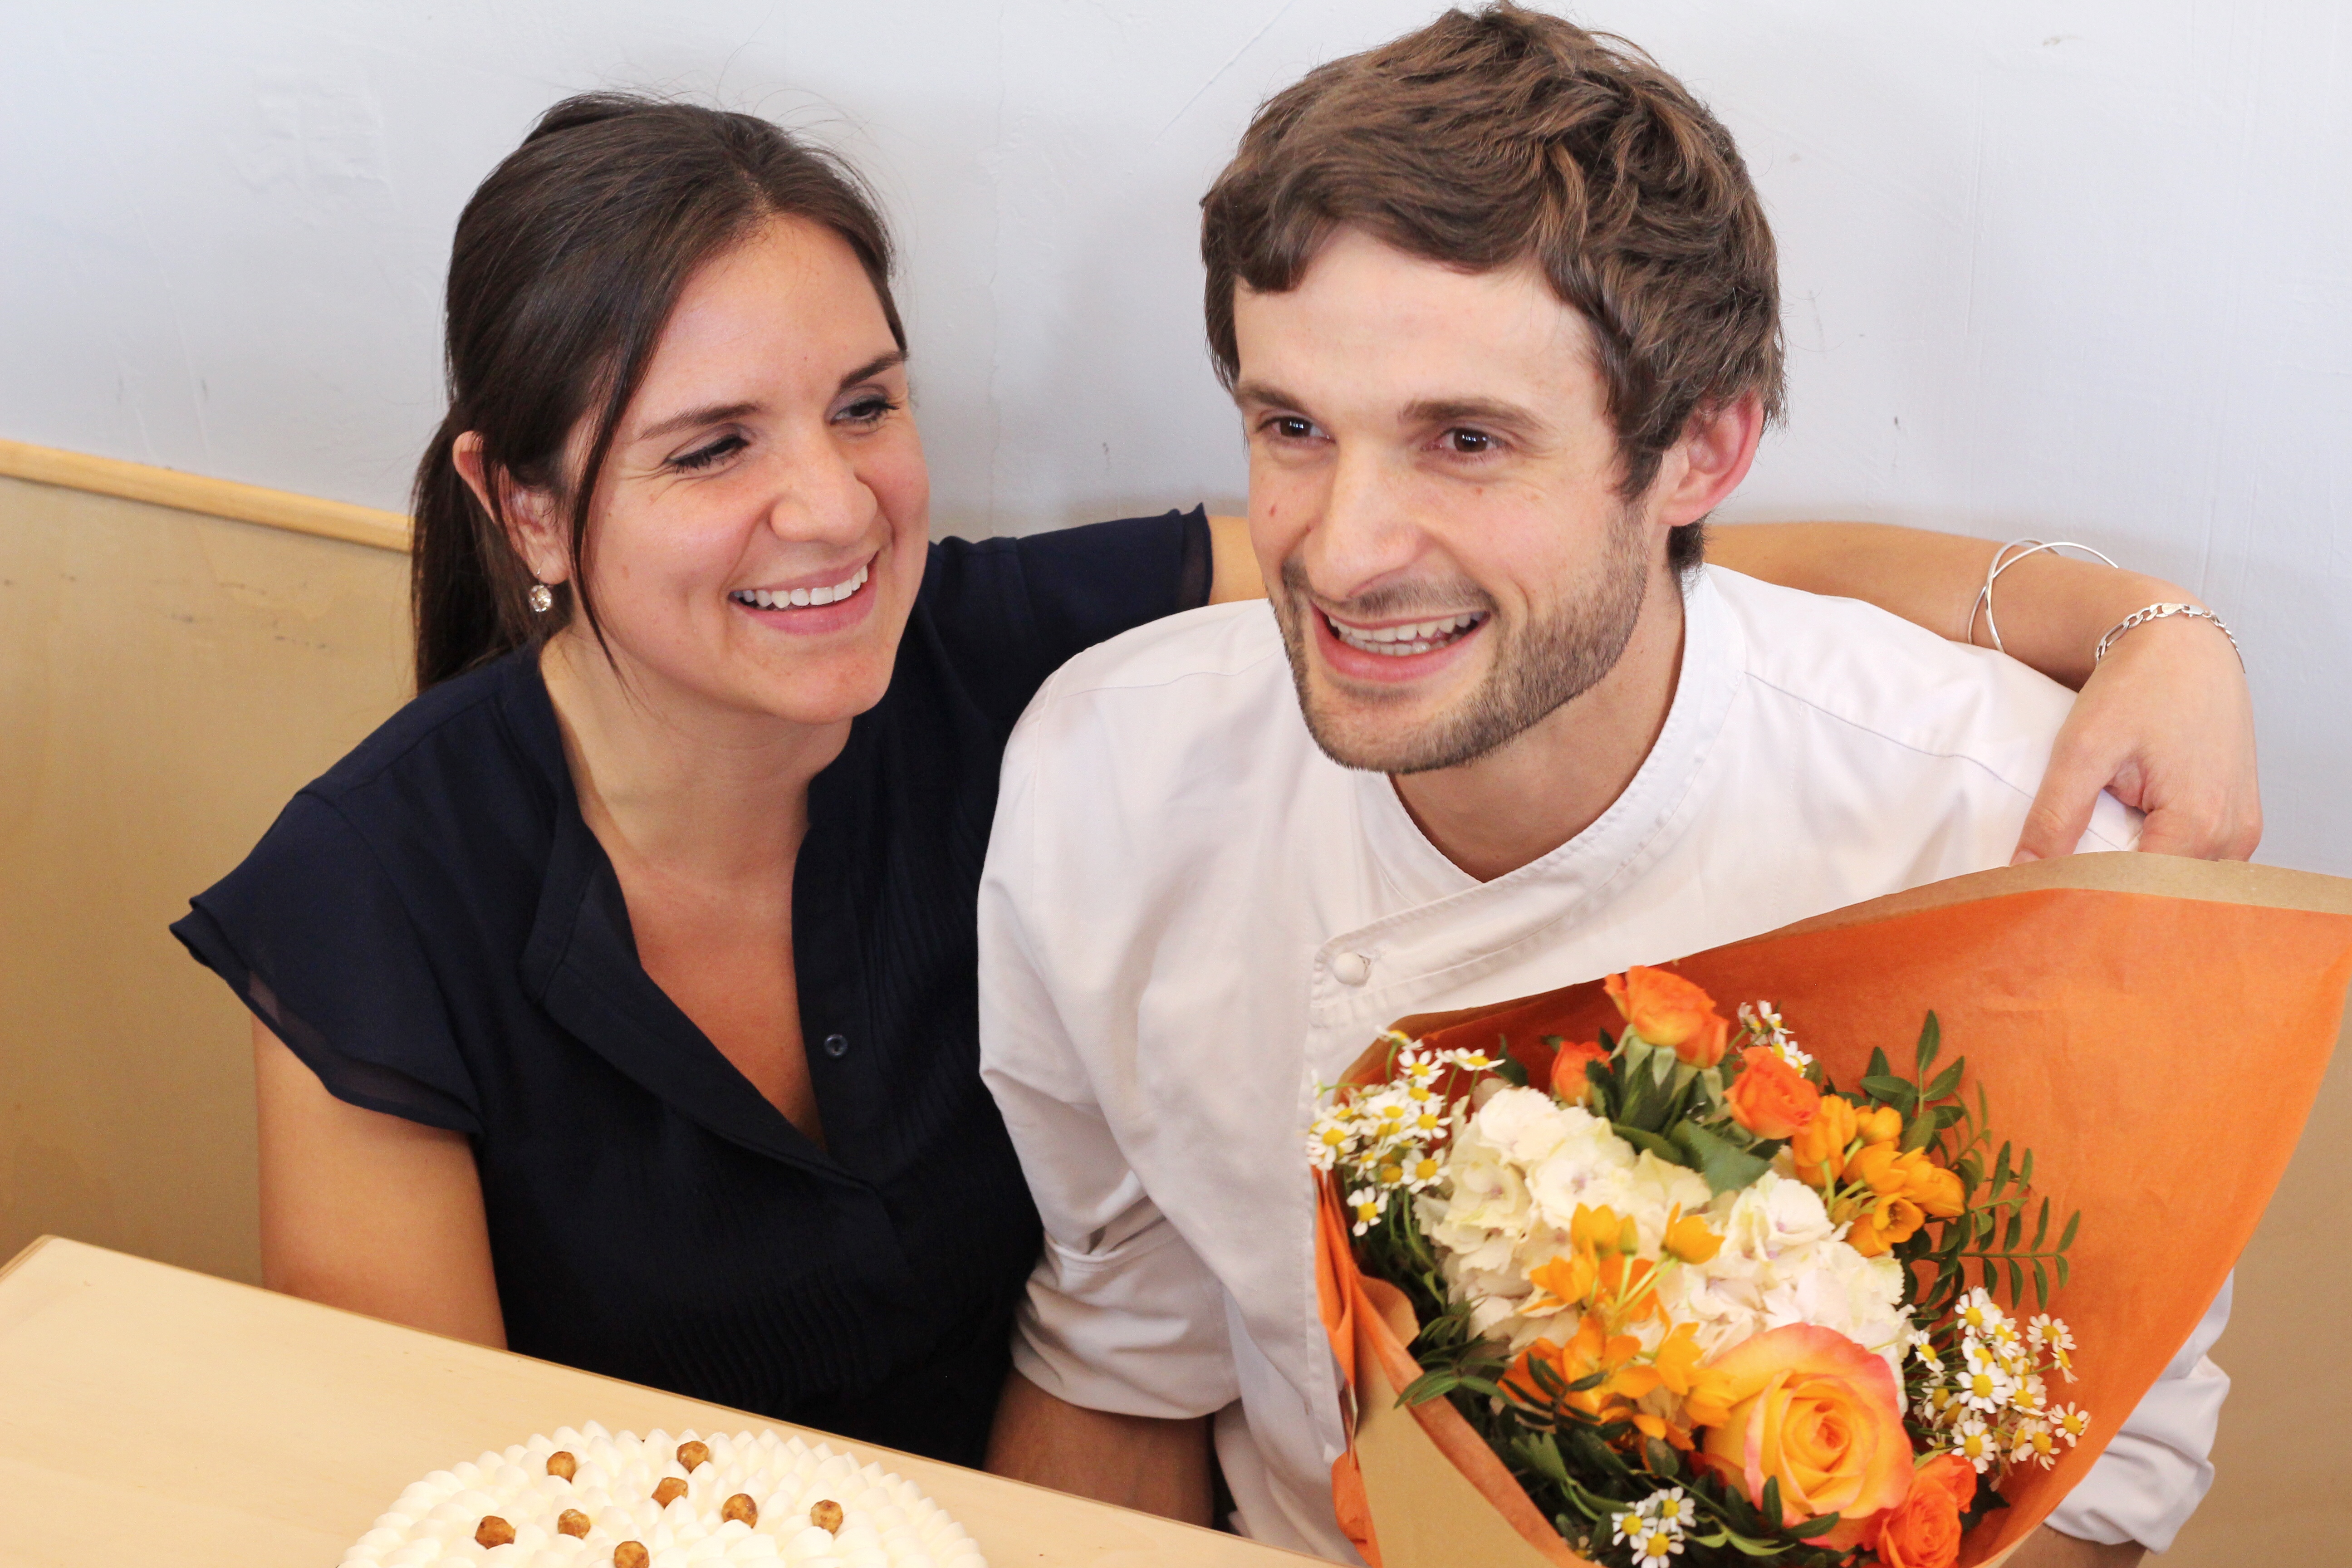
(2080, 268)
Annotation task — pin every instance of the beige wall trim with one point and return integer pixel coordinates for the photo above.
(213, 498)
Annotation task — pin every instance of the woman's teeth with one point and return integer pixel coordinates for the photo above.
(794, 598)
(1397, 642)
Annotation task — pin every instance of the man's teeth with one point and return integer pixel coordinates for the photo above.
(1397, 642)
(794, 598)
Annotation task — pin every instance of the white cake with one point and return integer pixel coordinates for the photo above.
(767, 1500)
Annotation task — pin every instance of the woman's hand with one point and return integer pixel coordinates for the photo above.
(2165, 724)
(367, 1212)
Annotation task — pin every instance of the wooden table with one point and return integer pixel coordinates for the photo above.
(151, 1416)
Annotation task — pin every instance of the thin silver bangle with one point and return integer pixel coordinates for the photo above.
(2157, 611)
(1983, 604)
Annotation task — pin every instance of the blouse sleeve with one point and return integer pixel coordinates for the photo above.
(1014, 609)
(313, 937)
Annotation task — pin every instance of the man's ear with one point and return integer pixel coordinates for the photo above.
(1717, 449)
(533, 522)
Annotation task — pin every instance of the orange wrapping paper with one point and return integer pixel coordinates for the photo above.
(2154, 1030)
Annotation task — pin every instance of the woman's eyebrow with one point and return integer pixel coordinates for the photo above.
(873, 367)
(720, 413)
(715, 414)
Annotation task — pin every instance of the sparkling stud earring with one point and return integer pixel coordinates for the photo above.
(541, 599)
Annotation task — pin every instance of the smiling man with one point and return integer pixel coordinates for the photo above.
(1497, 303)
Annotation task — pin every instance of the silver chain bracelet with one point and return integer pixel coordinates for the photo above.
(2157, 611)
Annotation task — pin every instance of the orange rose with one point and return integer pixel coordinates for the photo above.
(1924, 1531)
(1670, 1012)
(1769, 1097)
(1821, 1415)
(1567, 1079)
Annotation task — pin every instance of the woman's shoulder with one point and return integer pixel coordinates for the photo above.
(1005, 612)
(458, 784)
(464, 732)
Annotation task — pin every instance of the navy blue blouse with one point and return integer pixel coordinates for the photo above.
(433, 930)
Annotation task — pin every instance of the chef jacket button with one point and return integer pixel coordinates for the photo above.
(836, 1045)
(1351, 968)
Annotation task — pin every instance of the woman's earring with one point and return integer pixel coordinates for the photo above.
(541, 599)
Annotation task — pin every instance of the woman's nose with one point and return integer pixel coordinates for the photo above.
(822, 496)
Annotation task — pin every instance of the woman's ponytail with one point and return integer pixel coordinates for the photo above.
(463, 606)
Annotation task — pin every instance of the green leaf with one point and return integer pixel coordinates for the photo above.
(2040, 1285)
(1820, 1525)
(1898, 1092)
(2016, 1284)
(2025, 1170)
(2062, 1271)
(1946, 1081)
(1879, 1066)
(2066, 1239)
(1931, 1040)
(2041, 1225)
(1511, 1071)
(2000, 1171)
(1726, 1167)
(1654, 1144)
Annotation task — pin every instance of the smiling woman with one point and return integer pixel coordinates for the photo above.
(614, 1001)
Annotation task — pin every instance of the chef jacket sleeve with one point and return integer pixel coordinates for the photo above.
(2156, 1471)
(1121, 1315)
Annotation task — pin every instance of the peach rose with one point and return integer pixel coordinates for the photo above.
(1769, 1097)
(1822, 1416)
(1923, 1530)
(1670, 1012)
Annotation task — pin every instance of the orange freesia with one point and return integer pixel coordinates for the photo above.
(1670, 1012)
(1563, 1282)
(1594, 1350)
(1937, 1191)
(1887, 1222)
(1818, 1148)
(1706, 1393)
(1923, 1530)
(1879, 1124)
(1822, 1416)
(1692, 1239)
(1769, 1097)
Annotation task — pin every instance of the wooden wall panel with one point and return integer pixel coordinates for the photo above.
(167, 680)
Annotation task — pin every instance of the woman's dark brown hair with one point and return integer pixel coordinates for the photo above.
(567, 263)
(1486, 138)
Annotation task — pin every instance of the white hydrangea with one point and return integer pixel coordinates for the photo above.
(1782, 1262)
(1522, 1165)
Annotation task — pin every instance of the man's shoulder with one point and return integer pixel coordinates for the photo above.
(1187, 682)
(1862, 669)
(1215, 642)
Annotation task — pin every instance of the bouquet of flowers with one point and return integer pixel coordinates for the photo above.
(1702, 1304)
(1612, 1277)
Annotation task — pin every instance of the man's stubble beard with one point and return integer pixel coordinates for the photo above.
(1541, 666)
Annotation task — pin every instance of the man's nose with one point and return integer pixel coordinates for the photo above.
(1364, 533)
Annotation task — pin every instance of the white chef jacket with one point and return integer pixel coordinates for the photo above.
(1189, 916)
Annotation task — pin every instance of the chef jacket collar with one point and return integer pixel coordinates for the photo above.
(1464, 927)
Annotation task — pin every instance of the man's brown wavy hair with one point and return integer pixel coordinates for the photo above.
(1504, 134)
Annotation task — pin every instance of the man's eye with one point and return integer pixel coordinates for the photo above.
(1469, 443)
(703, 457)
(1289, 427)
